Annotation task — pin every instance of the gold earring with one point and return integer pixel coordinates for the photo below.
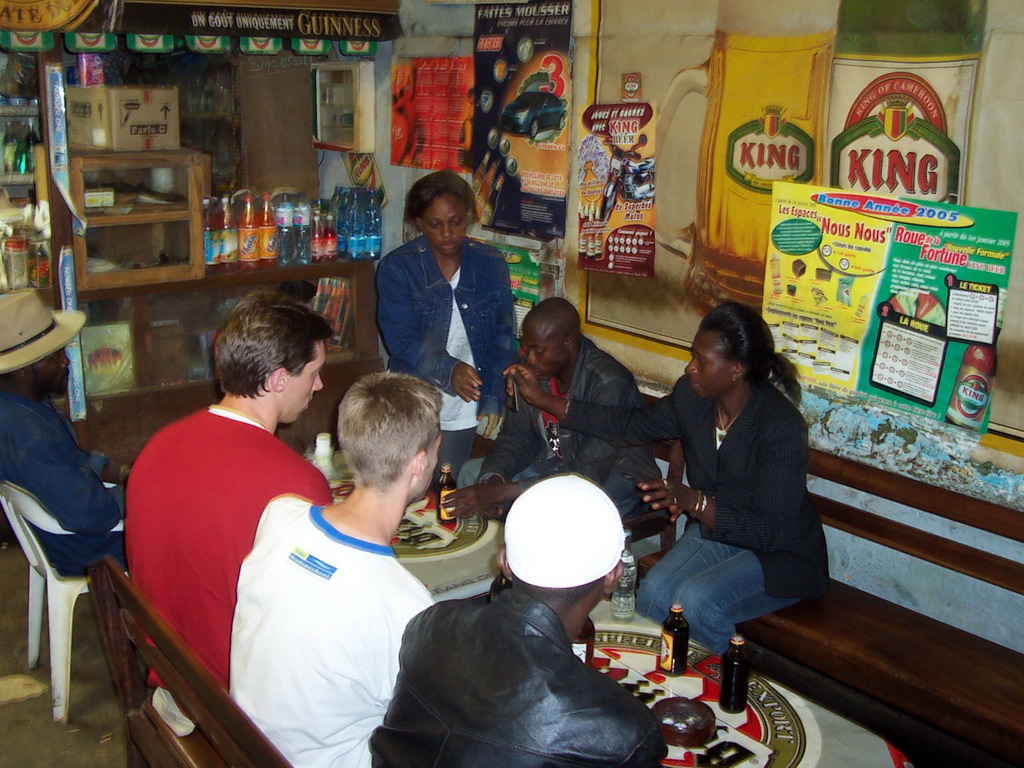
(735, 376)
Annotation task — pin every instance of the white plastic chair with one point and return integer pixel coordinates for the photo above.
(62, 592)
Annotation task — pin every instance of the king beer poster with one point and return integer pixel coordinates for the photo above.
(896, 299)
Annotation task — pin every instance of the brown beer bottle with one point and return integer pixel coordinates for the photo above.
(500, 584)
(675, 642)
(444, 489)
(735, 673)
(583, 645)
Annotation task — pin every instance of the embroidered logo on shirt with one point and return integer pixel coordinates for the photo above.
(314, 565)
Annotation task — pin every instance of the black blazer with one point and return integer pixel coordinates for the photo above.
(758, 477)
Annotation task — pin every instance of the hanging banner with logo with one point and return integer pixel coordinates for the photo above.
(899, 300)
(329, 19)
(520, 123)
(616, 189)
(431, 112)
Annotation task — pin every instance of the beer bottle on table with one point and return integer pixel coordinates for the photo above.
(583, 645)
(444, 489)
(675, 642)
(735, 674)
(500, 584)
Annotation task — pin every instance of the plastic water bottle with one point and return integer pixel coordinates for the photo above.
(624, 596)
(374, 233)
(340, 205)
(323, 455)
(303, 222)
(357, 224)
(284, 214)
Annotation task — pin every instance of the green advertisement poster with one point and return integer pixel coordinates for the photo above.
(896, 299)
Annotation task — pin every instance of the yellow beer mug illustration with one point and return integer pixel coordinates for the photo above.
(766, 84)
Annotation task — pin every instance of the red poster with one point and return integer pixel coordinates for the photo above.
(431, 113)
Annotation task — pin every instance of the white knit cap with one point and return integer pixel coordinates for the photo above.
(563, 532)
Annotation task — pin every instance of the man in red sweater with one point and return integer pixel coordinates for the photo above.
(199, 487)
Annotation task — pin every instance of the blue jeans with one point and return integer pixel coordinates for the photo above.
(717, 584)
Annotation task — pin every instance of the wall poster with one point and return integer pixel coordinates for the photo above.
(897, 299)
(616, 189)
(520, 122)
(431, 113)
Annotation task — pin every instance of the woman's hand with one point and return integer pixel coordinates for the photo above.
(491, 424)
(662, 493)
(466, 382)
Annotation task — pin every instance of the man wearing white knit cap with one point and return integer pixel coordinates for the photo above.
(498, 684)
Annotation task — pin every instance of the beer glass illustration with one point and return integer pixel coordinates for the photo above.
(765, 84)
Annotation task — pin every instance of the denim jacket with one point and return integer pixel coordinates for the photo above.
(414, 308)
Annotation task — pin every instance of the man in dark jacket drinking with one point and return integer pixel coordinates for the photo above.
(498, 684)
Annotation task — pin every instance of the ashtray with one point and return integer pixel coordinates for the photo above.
(685, 722)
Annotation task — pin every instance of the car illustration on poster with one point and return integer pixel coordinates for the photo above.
(533, 112)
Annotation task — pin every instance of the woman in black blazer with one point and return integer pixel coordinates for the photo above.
(754, 543)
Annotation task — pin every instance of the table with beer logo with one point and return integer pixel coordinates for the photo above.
(778, 729)
(453, 559)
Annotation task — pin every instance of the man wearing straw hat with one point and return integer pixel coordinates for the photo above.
(498, 684)
(38, 448)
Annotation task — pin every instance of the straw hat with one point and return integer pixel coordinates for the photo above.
(563, 532)
(29, 331)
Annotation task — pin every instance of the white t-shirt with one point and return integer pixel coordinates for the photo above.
(317, 630)
(456, 413)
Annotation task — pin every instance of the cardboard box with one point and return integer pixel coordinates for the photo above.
(123, 118)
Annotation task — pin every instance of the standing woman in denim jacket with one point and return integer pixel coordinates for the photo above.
(444, 308)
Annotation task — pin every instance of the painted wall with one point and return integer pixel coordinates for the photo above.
(677, 35)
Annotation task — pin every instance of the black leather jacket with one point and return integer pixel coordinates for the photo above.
(498, 685)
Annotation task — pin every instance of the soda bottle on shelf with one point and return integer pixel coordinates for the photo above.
(303, 232)
(317, 239)
(374, 230)
(624, 594)
(228, 236)
(248, 234)
(284, 215)
(735, 674)
(211, 235)
(329, 237)
(675, 642)
(267, 224)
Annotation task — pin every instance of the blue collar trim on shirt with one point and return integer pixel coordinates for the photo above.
(316, 515)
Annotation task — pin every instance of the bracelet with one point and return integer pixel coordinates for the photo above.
(700, 506)
(122, 475)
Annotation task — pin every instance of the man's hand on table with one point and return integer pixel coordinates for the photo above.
(490, 499)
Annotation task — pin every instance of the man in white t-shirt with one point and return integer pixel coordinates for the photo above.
(322, 601)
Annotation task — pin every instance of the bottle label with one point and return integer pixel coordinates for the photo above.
(900, 127)
(211, 248)
(442, 512)
(667, 647)
(228, 246)
(248, 244)
(268, 243)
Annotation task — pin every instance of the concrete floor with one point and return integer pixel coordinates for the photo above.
(28, 736)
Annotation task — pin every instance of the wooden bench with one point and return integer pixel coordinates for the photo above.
(950, 679)
(136, 638)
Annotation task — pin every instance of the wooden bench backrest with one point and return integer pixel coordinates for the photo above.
(137, 638)
(1001, 521)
